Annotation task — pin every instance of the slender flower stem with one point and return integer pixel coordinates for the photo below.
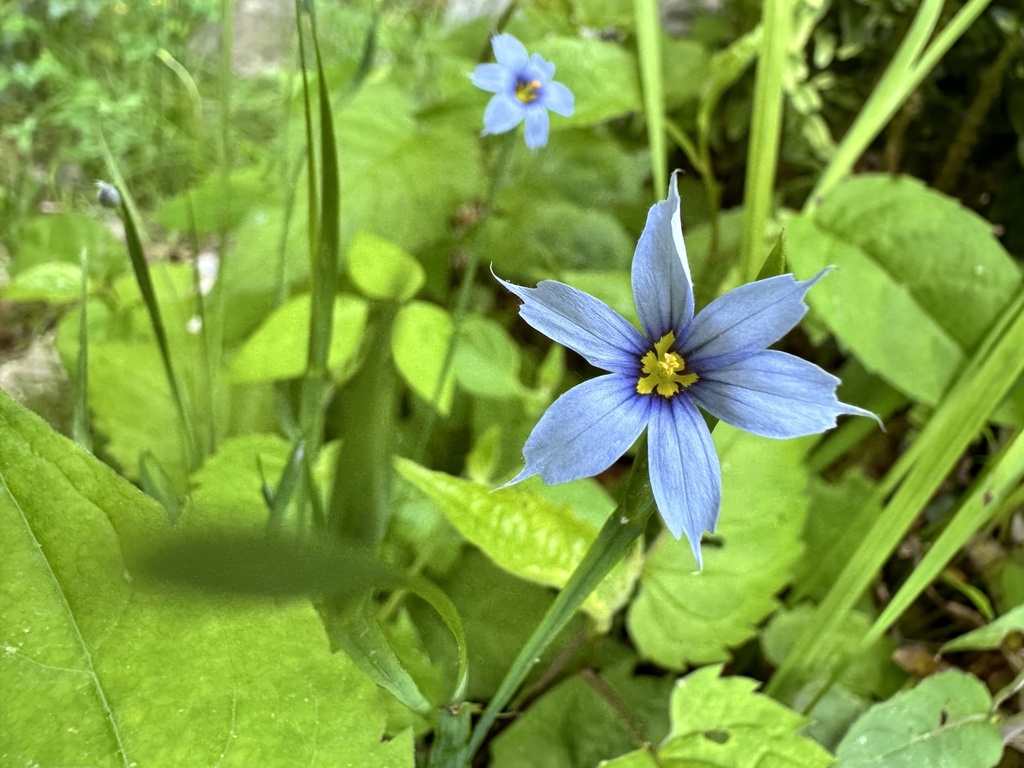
(466, 286)
(622, 528)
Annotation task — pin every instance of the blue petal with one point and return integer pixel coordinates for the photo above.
(558, 99)
(495, 78)
(585, 430)
(503, 113)
(583, 324)
(545, 69)
(509, 51)
(536, 127)
(745, 320)
(685, 474)
(773, 394)
(662, 288)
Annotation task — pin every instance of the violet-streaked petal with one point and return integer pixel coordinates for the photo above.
(773, 394)
(585, 325)
(503, 113)
(558, 99)
(495, 78)
(745, 320)
(536, 127)
(662, 288)
(509, 52)
(585, 430)
(685, 473)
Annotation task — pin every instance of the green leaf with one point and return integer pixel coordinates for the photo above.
(526, 534)
(686, 66)
(55, 282)
(216, 204)
(907, 258)
(990, 636)
(574, 726)
(383, 270)
(721, 721)
(487, 359)
(419, 343)
(277, 350)
(602, 75)
(96, 649)
(60, 237)
(942, 723)
(400, 180)
(683, 616)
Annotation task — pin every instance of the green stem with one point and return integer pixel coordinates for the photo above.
(763, 152)
(648, 40)
(466, 286)
(623, 527)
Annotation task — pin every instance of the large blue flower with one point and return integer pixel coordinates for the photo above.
(718, 360)
(522, 88)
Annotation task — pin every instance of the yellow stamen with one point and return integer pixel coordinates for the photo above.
(527, 91)
(664, 371)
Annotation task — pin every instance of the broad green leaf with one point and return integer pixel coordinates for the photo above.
(526, 534)
(942, 723)
(990, 636)
(602, 75)
(399, 179)
(866, 672)
(60, 237)
(838, 517)
(573, 726)
(419, 343)
(55, 282)
(217, 204)
(686, 66)
(723, 722)
(487, 360)
(380, 269)
(93, 653)
(910, 259)
(683, 616)
(278, 348)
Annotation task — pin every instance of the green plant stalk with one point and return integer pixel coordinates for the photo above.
(765, 133)
(80, 423)
(983, 501)
(908, 68)
(145, 282)
(987, 378)
(361, 499)
(324, 267)
(648, 40)
(466, 287)
(625, 524)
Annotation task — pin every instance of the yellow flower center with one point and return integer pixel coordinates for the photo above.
(664, 371)
(527, 91)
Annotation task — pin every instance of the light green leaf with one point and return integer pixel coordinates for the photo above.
(278, 348)
(574, 726)
(487, 359)
(723, 722)
(92, 653)
(942, 723)
(602, 75)
(686, 66)
(683, 616)
(526, 534)
(419, 343)
(906, 258)
(54, 282)
(217, 204)
(60, 237)
(382, 269)
(990, 636)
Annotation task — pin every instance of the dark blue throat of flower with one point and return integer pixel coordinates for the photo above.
(664, 372)
(527, 91)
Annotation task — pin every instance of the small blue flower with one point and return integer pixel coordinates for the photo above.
(718, 360)
(522, 88)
